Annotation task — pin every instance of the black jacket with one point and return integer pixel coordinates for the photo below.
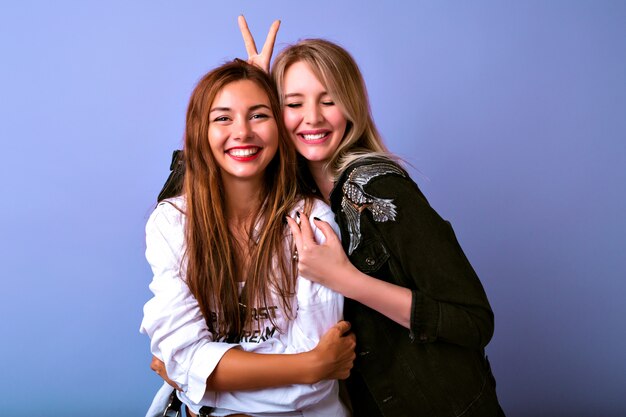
(438, 368)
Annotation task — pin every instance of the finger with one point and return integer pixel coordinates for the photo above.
(154, 364)
(343, 326)
(248, 40)
(327, 230)
(308, 237)
(295, 231)
(172, 384)
(268, 47)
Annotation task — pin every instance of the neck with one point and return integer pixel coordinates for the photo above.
(242, 198)
(322, 178)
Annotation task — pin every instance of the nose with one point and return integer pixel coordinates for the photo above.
(313, 114)
(242, 129)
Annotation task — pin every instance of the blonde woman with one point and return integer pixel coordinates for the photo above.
(419, 311)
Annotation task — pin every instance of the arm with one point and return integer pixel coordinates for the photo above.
(449, 303)
(278, 371)
(446, 302)
(328, 265)
(331, 359)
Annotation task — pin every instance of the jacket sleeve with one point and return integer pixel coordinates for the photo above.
(449, 303)
(172, 319)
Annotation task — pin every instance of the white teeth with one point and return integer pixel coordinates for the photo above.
(314, 137)
(243, 151)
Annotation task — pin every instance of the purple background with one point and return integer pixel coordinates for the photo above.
(512, 113)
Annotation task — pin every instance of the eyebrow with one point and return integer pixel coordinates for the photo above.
(323, 93)
(252, 108)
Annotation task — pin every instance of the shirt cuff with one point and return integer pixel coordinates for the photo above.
(204, 362)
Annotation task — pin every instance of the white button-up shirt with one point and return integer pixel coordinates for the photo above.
(180, 337)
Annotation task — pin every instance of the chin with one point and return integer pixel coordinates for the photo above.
(314, 156)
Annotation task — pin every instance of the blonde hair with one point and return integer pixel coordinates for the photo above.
(339, 73)
(210, 255)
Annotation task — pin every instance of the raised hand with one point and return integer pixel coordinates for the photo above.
(263, 59)
(326, 263)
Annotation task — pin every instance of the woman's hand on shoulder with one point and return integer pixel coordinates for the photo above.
(324, 263)
(263, 59)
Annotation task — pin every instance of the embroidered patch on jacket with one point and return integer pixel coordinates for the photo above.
(355, 199)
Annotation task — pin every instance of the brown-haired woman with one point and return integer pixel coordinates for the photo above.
(237, 329)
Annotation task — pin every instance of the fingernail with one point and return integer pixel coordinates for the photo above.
(315, 218)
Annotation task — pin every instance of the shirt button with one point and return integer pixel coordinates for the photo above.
(369, 261)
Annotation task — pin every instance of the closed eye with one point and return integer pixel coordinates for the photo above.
(294, 105)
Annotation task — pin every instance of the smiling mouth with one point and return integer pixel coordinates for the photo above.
(313, 138)
(244, 154)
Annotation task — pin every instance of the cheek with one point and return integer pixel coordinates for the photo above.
(337, 120)
(216, 140)
(291, 119)
(272, 136)
(213, 137)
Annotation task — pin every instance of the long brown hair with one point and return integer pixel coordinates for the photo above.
(210, 254)
(339, 73)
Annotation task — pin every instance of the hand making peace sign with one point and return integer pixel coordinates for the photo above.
(263, 59)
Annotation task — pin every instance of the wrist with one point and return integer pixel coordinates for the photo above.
(350, 282)
(310, 367)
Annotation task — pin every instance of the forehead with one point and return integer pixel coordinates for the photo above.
(241, 93)
(300, 75)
